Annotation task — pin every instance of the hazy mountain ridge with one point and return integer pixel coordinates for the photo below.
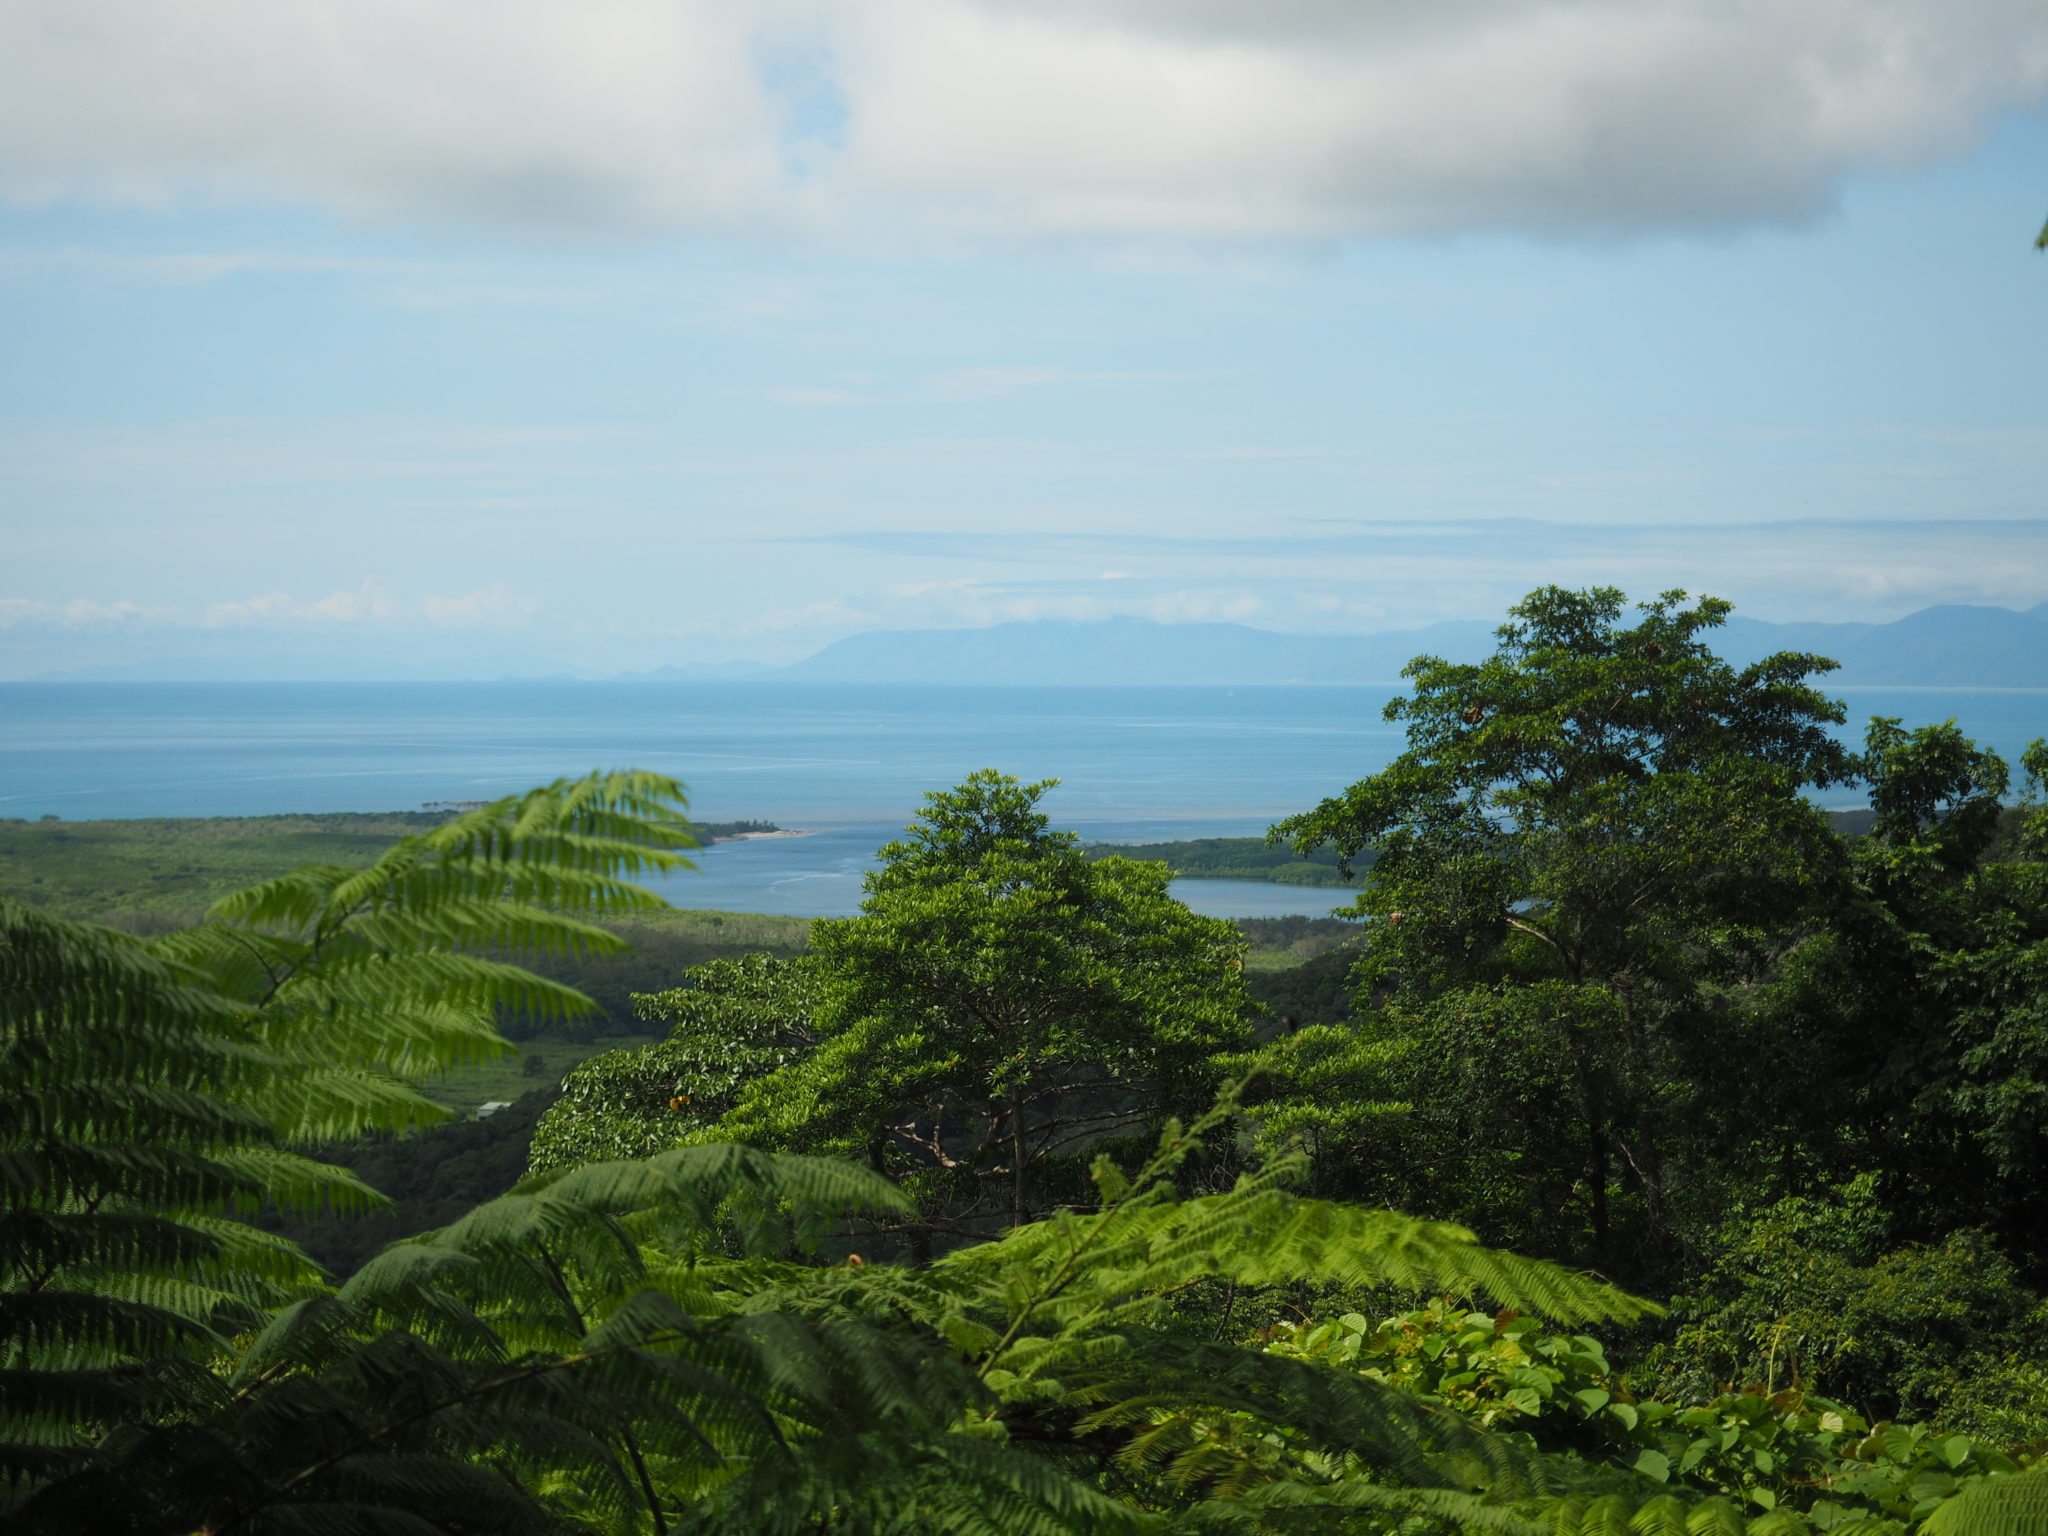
(1954, 645)
(1129, 651)
(1949, 646)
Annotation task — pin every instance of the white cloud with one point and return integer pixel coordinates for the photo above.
(1114, 118)
(78, 613)
(369, 606)
(492, 605)
(971, 601)
(1396, 573)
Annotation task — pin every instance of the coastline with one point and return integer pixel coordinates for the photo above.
(748, 837)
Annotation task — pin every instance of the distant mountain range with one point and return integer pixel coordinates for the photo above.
(1951, 646)
(1129, 651)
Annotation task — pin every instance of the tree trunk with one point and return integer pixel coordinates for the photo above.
(1019, 1184)
(1596, 1159)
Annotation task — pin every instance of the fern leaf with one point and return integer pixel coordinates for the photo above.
(2015, 1505)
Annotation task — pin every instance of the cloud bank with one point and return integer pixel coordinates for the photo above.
(370, 606)
(1352, 576)
(949, 119)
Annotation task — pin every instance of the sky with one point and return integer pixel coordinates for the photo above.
(447, 337)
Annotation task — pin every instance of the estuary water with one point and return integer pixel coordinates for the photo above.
(850, 763)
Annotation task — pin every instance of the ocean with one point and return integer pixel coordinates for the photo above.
(847, 762)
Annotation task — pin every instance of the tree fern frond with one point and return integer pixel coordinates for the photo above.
(1284, 1236)
(418, 1285)
(1780, 1522)
(44, 1241)
(289, 902)
(2015, 1505)
(1664, 1515)
(298, 1183)
(1455, 1508)
(1381, 1426)
(1260, 1234)
(705, 1182)
(53, 1321)
(1715, 1517)
(1020, 1494)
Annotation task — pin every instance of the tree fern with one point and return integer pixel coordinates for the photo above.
(120, 1162)
(2002, 1506)
(363, 979)
(150, 1086)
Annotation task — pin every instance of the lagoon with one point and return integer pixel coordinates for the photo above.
(851, 761)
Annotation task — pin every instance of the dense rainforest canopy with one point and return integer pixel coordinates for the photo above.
(1004, 1209)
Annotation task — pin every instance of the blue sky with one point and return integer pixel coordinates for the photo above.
(432, 337)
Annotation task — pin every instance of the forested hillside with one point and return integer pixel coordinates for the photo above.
(1004, 1205)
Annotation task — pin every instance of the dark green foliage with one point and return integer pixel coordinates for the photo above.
(1593, 837)
(1280, 941)
(652, 1344)
(625, 1345)
(1811, 1295)
(1787, 1450)
(1627, 998)
(1911, 1032)
(430, 1177)
(661, 947)
(1317, 991)
(515, 1372)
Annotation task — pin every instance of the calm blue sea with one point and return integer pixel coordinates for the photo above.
(850, 762)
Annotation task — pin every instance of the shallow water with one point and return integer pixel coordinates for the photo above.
(820, 875)
(1136, 764)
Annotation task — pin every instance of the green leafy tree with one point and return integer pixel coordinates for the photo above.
(1594, 841)
(1919, 1006)
(1964, 884)
(732, 1021)
(1001, 1004)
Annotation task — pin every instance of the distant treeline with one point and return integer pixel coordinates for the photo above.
(1238, 858)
